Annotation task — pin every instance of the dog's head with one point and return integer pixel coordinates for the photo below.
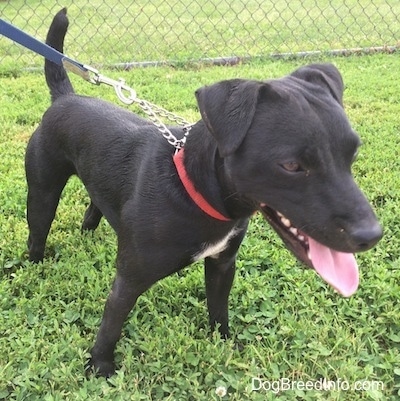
(288, 147)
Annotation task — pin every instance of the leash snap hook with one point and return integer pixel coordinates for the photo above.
(120, 87)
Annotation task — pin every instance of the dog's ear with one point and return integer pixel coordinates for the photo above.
(227, 108)
(326, 75)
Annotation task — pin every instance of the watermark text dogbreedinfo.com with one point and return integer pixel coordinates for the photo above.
(286, 384)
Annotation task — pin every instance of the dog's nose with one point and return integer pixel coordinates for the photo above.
(365, 238)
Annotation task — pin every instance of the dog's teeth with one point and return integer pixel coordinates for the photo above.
(309, 255)
(294, 231)
(301, 238)
(280, 214)
(286, 222)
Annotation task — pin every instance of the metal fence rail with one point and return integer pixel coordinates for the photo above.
(121, 31)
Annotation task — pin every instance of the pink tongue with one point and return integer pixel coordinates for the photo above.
(338, 269)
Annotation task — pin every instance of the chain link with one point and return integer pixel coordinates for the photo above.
(153, 111)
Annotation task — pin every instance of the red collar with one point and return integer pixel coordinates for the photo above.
(196, 196)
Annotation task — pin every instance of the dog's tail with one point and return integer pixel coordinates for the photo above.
(56, 76)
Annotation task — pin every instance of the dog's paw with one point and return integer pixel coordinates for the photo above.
(92, 218)
(238, 346)
(100, 368)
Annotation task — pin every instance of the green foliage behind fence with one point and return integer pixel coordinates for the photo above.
(183, 30)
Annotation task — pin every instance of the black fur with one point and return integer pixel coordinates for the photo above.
(236, 156)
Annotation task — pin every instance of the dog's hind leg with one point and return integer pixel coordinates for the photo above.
(92, 217)
(41, 208)
(46, 177)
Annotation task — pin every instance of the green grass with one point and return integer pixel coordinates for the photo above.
(185, 29)
(292, 325)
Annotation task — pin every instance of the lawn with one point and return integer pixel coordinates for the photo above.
(291, 324)
(151, 30)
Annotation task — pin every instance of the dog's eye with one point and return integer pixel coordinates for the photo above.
(292, 167)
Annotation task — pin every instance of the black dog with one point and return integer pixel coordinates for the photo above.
(284, 147)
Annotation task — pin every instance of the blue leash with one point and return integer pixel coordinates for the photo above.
(88, 73)
(91, 75)
(10, 31)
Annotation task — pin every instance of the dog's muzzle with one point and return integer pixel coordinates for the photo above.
(338, 269)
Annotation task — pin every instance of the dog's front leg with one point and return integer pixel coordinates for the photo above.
(121, 300)
(219, 275)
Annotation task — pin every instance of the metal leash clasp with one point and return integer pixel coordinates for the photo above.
(119, 85)
(128, 95)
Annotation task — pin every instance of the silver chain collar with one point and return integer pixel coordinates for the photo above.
(128, 95)
(153, 111)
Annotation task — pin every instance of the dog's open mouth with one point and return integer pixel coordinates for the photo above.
(338, 269)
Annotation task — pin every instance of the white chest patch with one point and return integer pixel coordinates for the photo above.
(213, 250)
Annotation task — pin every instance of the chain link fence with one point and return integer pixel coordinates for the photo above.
(121, 32)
